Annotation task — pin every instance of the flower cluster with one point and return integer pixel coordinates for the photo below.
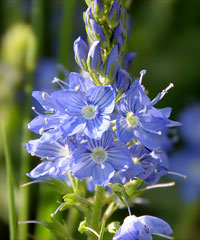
(103, 126)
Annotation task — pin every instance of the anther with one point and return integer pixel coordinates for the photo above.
(44, 95)
(46, 120)
(41, 131)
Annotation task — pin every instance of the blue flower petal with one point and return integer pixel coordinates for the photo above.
(124, 132)
(48, 169)
(119, 156)
(102, 174)
(156, 225)
(130, 229)
(104, 142)
(70, 101)
(43, 121)
(73, 125)
(148, 139)
(76, 80)
(103, 97)
(44, 99)
(97, 126)
(81, 163)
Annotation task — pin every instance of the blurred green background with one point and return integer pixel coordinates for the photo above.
(36, 41)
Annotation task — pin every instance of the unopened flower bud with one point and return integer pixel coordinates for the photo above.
(97, 9)
(97, 32)
(94, 60)
(114, 14)
(81, 52)
(119, 36)
(111, 65)
(87, 15)
(123, 80)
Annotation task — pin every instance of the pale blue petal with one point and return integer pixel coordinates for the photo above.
(130, 230)
(73, 125)
(119, 156)
(48, 169)
(44, 150)
(103, 97)
(76, 80)
(97, 126)
(44, 99)
(81, 163)
(102, 175)
(124, 132)
(43, 121)
(156, 225)
(70, 102)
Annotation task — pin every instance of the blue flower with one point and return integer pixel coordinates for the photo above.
(138, 118)
(187, 162)
(87, 113)
(142, 228)
(100, 159)
(190, 118)
(146, 165)
(56, 158)
(53, 116)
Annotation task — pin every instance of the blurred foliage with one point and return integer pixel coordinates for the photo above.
(166, 36)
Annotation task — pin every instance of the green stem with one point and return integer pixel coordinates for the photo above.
(72, 220)
(10, 185)
(33, 48)
(96, 214)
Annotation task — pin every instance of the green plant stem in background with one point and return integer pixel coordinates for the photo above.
(33, 48)
(186, 222)
(72, 221)
(10, 185)
(66, 39)
(96, 214)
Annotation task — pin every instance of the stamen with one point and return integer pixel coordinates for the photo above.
(142, 73)
(53, 214)
(29, 183)
(163, 235)
(32, 154)
(41, 131)
(91, 230)
(162, 94)
(160, 185)
(35, 111)
(46, 120)
(60, 82)
(32, 221)
(129, 210)
(178, 174)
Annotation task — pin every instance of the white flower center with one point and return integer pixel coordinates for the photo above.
(89, 111)
(65, 152)
(131, 119)
(99, 155)
(136, 161)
